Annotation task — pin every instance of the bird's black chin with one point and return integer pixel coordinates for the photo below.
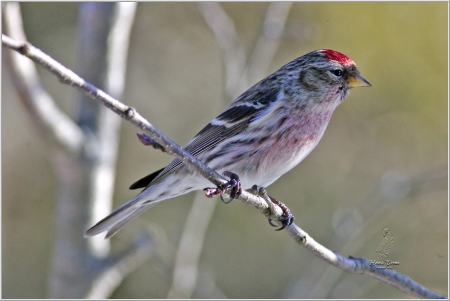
(342, 93)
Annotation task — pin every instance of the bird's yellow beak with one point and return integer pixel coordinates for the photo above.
(358, 81)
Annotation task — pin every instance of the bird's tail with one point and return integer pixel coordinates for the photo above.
(118, 218)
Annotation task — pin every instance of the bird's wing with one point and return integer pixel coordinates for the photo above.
(233, 120)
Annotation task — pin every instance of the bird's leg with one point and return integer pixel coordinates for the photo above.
(234, 183)
(286, 219)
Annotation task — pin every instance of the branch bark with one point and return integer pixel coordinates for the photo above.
(351, 264)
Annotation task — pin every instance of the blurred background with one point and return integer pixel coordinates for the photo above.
(382, 163)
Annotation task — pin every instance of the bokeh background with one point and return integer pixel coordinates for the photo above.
(382, 162)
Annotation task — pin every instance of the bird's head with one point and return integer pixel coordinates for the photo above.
(345, 70)
(323, 75)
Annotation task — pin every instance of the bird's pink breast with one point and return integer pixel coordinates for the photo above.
(295, 140)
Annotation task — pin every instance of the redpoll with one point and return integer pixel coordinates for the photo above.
(262, 134)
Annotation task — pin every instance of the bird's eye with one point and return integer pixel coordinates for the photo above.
(337, 72)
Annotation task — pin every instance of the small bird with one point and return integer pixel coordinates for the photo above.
(260, 136)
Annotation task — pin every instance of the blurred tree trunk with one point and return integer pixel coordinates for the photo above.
(71, 268)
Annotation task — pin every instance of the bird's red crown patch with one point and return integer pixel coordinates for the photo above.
(339, 57)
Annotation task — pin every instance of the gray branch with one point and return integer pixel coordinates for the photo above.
(355, 265)
(39, 104)
(351, 264)
(108, 128)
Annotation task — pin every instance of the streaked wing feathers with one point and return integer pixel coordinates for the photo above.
(211, 136)
(232, 121)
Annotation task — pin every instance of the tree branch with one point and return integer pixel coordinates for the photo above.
(351, 264)
(39, 104)
(355, 265)
(108, 127)
(67, 76)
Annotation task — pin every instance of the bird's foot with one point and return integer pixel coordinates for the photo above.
(234, 183)
(147, 140)
(286, 219)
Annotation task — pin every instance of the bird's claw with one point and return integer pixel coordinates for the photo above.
(286, 219)
(147, 140)
(234, 183)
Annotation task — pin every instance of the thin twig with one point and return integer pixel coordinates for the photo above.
(436, 175)
(350, 265)
(67, 76)
(355, 265)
